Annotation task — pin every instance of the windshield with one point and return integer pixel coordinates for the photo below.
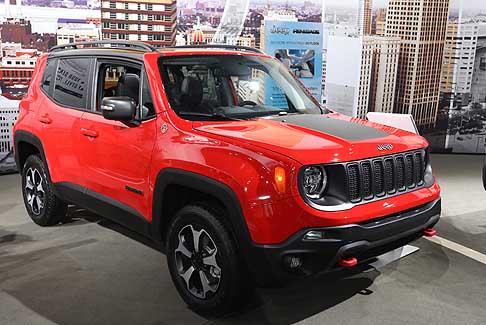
(227, 87)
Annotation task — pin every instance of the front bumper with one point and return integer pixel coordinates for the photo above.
(362, 240)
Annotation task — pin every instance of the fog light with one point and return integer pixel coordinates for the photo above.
(293, 262)
(314, 235)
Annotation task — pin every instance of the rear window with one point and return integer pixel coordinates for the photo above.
(72, 77)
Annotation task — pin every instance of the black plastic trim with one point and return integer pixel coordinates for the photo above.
(134, 190)
(104, 206)
(30, 138)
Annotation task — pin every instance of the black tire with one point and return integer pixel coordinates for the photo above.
(484, 175)
(233, 285)
(51, 210)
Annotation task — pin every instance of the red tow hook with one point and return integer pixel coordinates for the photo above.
(348, 262)
(429, 232)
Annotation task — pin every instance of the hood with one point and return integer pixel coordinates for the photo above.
(314, 139)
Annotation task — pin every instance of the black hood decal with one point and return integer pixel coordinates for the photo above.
(332, 126)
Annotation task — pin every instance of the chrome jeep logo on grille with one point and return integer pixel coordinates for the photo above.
(385, 147)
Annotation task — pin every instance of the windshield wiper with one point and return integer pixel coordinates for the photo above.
(214, 115)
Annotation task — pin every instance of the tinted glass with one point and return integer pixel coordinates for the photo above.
(118, 80)
(72, 82)
(148, 108)
(49, 72)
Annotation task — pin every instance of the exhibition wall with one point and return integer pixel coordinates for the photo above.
(347, 57)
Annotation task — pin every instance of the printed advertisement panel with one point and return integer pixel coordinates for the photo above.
(298, 45)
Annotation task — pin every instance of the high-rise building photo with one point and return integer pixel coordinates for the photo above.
(151, 21)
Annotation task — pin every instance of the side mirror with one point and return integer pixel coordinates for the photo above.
(121, 109)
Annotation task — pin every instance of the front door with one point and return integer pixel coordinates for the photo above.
(117, 159)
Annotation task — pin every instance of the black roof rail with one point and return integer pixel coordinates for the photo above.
(137, 46)
(217, 46)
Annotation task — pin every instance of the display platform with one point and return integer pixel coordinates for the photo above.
(91, 271)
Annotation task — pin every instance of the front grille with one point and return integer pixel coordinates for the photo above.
(400, 168)
(389, 175)
(379, 178)
(353, 183)
(375, 178)
(367, 179)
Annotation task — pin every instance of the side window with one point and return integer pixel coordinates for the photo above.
(118, 80)
(72, 82)
(48, 77)
(147, 107)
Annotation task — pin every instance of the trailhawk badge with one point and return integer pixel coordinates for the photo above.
(385, 147)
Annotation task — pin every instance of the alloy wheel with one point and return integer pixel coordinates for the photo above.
(34, 190)
(195, 257)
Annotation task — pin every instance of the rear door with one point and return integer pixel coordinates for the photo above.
(116, 165)
(65, 84)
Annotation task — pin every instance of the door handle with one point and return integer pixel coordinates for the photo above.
(45, 119)
(89, 133)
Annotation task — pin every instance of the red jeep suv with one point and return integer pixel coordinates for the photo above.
(223, 158)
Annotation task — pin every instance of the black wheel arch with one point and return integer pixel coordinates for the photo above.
(24, 138)
(205, 185)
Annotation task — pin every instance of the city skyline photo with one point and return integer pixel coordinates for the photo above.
(354, 29)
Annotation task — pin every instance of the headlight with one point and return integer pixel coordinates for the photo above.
(314, 182)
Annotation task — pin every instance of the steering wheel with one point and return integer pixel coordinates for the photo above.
(247, 103)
